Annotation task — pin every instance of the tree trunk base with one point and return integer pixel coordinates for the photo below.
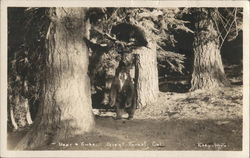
(43, 134)
(206, 82)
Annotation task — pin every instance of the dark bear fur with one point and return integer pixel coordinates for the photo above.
(122, 94)
(128, 32)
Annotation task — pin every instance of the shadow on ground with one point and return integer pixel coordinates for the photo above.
(144, 134)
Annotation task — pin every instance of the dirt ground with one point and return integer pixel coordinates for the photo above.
(200, 120)
(190, 122)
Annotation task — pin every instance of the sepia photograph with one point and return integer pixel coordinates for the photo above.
(106, 77)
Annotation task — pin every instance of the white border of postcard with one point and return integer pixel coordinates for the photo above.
(123, 3)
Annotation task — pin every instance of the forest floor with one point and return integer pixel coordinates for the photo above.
(200, 120)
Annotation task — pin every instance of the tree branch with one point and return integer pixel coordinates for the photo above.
(217, 27)
(235, 20)
(227, 32)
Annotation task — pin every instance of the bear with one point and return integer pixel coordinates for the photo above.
(102, 67)
(122, 94)
(130, 33)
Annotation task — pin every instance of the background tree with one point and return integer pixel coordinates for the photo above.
(213, 26)
(65, 108)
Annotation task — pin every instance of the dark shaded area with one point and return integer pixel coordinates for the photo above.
(173, 81)
(181, 84)
(15, 32)
(95, 15)
(232, 51)
(232, 57)
(26, 53)
(97, 99)
(174, 84)
(235, 74)
(185, 46)
(239, 83)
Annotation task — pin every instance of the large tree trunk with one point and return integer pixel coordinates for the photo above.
(208, 70)
(66, 107)
(146, 75)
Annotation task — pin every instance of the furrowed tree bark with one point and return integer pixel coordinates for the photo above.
(66, 107)
(208, 70)
(146, 75)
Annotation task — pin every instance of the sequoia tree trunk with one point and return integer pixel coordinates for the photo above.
(208, 70)
(66, 107)
(146, 75)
